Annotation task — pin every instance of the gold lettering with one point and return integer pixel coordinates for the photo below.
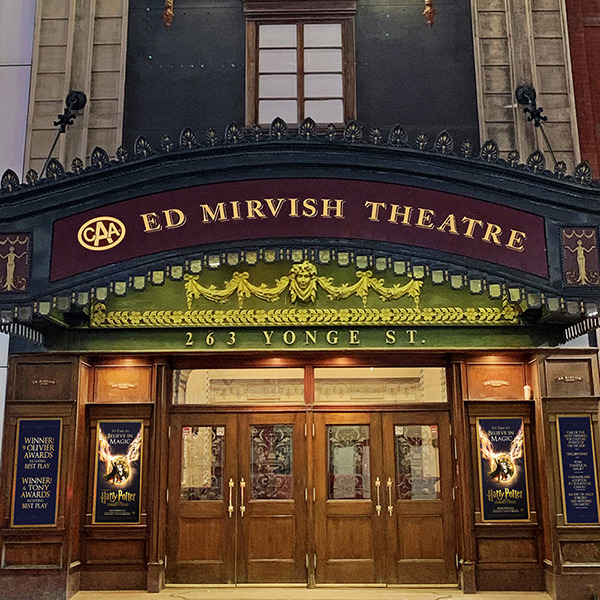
(411, 335)
(275, 209)
(294, 207)
(311, 337)
(219, 213)
(151, 222)
(492, 234)
(310, 207)
(337, 206)
(450, 224)
(171, 224)
(332, 337)
(395, 213)
(235, 207)
(268, 335)
(375, 206)
(471, 226)
(390, 337)
(424, 219)
(255, 208)
(515, 241)
(354, 337)
(289, 337)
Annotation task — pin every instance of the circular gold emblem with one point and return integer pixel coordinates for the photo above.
(101, 233)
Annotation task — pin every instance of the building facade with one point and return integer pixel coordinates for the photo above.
(290, 299)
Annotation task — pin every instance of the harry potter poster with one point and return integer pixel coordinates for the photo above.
(118, 477)
(37, 467)
(502, 472)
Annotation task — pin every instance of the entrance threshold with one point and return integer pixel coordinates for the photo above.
(270, 592)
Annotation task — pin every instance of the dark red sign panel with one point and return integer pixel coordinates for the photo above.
(299, 208)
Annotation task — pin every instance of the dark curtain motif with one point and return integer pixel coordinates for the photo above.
(271, 462)
(349, 475)
(203, 463)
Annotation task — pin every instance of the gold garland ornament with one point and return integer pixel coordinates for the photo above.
(429, 12)
(168, 14)
(303, 283)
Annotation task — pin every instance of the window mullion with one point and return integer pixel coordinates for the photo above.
(300, 63)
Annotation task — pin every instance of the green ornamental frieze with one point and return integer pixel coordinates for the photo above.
(305, 295)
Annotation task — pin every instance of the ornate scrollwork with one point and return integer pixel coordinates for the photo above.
(211, 137)
(489, 151)
(331, 132)
(303, 317)
(421, 141)
(188, 139)
(583, 173)
(466, 149)
(536, 162)
(9, 181)
(444, 144)
(77, 165)
(256, 133)
(302, 283)
(353, 132)
(166, 143)
(99, 158)
(278, 129)
(54, 170)
(308, 129)
(560, 169)
(142, 147)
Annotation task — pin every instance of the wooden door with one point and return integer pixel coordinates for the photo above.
(349, 522)
(419, 507)
(272, 512)
(201, 531)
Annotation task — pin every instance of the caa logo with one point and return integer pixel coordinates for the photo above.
(101, 233)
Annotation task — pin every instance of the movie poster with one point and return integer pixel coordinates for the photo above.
(578, 469)
(37, 468)
(118, 477)
(502, 472)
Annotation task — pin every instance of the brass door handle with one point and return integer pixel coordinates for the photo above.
(390, 485)
(230, 507)
(378, 505)
(242, 505)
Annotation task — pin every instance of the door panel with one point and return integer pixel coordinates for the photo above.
(201, 531)
(273, 525)
(419, 503)
(348, 530)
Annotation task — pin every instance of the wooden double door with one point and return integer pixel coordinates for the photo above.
(316, 498)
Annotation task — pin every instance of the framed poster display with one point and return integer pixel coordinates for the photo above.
(118, 473)
(36, 473)
(578, 474)
(502, 469)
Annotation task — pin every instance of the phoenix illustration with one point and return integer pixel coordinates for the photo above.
(502, 464)
(118, 468)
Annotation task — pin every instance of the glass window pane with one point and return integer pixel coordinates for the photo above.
(319, 60)
(380, 384)
(277, 61)
(277, 86)
(417, 462)
(325, 111)
(238, 386)
(202, 463)
(271, 456)
(323, 34)
(323, 86)
(277, 36)
(270, 109)
(348, 462)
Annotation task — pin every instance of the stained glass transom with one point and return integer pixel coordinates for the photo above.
(272, 462)
(349, 468)
(417, 462)
(203, 459)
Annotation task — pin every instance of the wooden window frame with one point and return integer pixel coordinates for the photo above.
(300, 12)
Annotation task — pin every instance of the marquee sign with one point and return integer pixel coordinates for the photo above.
(299, 208)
